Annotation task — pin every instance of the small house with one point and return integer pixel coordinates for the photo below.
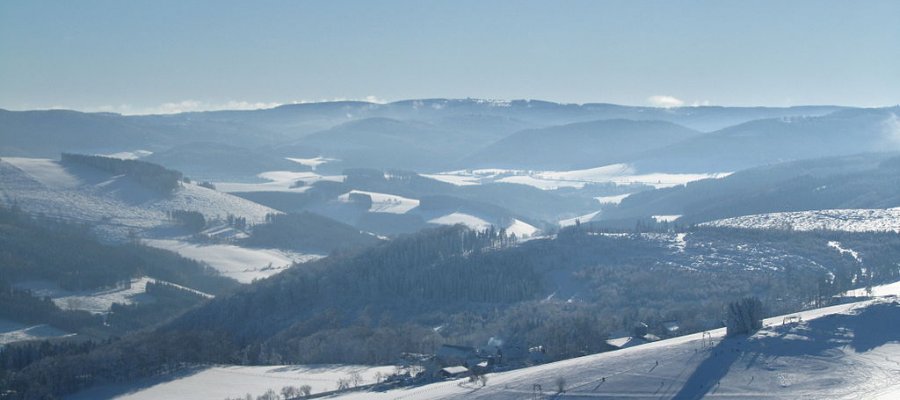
(453, 372)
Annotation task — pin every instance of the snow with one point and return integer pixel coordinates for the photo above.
(891, 289)
(666, 218)
(219, 382)
(841, 351)
(312, 162)
(540, 183)
(849, 220)
(117, 205)
(470, 221)
(47, 172)
(239, 263)
(97, 301)
(278, 181)
(620, 174)
(11, 332)
(612, 199)
(521, 229)
(129, 155)
(458, 180)
(582, 219)
(384, 203)
(837, 246)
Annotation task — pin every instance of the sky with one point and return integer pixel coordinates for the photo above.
(164, 56)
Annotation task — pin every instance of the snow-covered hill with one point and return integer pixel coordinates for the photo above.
(849, 220)
(117, 204)
(847, 351)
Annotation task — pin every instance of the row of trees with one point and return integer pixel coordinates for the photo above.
(150, 175)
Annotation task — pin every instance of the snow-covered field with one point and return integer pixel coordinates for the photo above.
(278, 181)
(239, 263)
(612, 199)
(579, 219)
(848, 351)
(217, 383)
(520, 228)
(666, 218)
(129, 155)
(118, 205)
(383, 202)
(11, 332)
(620, 174)
(96, 301)
(312, 162)
(849, 220)
(470, 221)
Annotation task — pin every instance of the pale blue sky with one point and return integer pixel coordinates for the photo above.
(141, 56)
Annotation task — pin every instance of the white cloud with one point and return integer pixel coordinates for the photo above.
(183, 106)
(375, 99)
(665, 101)
(197, 105)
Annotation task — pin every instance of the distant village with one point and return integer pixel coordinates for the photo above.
(456, 361)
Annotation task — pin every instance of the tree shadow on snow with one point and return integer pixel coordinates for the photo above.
(110, 391)
(862, 331)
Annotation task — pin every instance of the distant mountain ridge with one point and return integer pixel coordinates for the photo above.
(580, 145)
(46, 133)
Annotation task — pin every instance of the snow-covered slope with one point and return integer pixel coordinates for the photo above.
(620, 174)
(239, 263)
(520, 228)
(219, 382)
(383, 202)
(11, 332)
(278, 181)
(117, 204)
(849, 220)
(847, 351)
(97, 301)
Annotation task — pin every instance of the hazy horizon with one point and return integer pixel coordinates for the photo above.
(165, 57)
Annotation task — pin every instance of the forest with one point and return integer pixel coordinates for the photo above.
(152, 176)
(371, 305)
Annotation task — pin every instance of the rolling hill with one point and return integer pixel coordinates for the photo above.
(579, 145)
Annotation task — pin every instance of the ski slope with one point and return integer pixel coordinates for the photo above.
(849, 351)
(848, 220)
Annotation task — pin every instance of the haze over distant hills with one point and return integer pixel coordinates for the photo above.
(432, 134)
(354, 232)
